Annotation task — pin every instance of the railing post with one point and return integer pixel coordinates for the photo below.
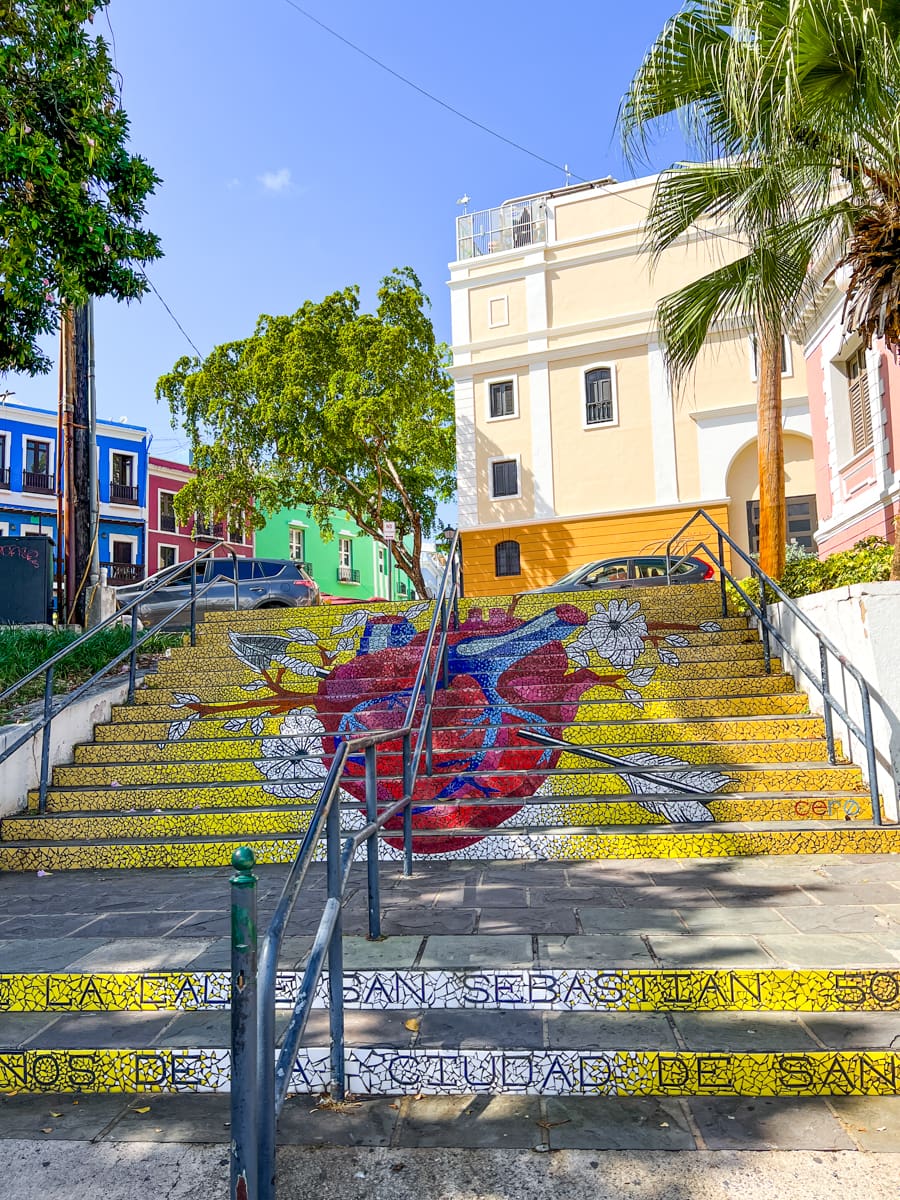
(429, 744)
(871, 761)
(407, 812)
(456, 575)
(764, 620)
(194, 603)
(244, 1148)
(445, 667)
(132, 659)
(723, 587)
(335, 952)
(45, 740)
(826, 703)
(372, 843)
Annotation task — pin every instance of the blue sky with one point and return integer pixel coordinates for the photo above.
(292, 167)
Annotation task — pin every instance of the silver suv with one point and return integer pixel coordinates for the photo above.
(262, 583)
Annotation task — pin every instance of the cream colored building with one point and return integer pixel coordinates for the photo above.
(571, 444)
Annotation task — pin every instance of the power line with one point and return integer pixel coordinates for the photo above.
(187, 336)
(479, 124)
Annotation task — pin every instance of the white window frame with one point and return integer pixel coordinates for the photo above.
(514, 380)
(614, 387)
(113, 451)
(504, 301)
(159, 495)
(348, 543)
(786, 352)
(165, 546)
(31, 437)
(5, 448)
(4, 528)
(123, 537)
(296, 531)
(517, 459)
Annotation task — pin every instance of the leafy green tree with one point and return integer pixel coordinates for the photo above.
(789, 104)
(331, 407)
(71, 196)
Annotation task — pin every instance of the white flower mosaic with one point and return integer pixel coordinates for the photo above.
(293, 762)
(616, 632)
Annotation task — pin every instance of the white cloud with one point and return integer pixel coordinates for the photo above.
(233, 184)
(276, 181)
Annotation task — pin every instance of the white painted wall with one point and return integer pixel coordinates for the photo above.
(74, 724)
(863, 621)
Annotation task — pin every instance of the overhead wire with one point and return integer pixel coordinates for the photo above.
(564, 169)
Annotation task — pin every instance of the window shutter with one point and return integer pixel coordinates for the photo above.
(598, 396)
(505, 478)
(502, 399)
(860, 412)
(506, 559)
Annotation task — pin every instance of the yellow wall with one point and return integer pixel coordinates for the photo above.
(549, 549)
(743, 480)
(513, 291)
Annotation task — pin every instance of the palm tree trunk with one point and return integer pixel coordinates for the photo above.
(772, 515)
(895, 557)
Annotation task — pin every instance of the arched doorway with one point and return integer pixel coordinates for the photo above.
(800, 488)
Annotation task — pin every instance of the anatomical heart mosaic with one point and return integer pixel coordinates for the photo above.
(509, 734)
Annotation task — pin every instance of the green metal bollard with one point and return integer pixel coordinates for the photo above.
(243, 1027)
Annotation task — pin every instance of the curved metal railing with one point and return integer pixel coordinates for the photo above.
(831, 705)
(53, 708)
(258, 1092)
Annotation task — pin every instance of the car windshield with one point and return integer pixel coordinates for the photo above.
(576, 574)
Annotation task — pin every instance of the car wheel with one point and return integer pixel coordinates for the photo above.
(272, 604)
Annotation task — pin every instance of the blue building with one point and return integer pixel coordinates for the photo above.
(31, 483)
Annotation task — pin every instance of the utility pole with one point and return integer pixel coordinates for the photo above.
(76, 459)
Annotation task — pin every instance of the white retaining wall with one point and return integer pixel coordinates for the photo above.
(863, 621)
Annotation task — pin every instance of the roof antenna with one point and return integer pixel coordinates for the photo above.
(464, 201)
(568, 173)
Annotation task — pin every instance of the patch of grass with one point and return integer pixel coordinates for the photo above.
(21, 650)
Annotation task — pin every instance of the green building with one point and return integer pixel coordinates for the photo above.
(352, 564)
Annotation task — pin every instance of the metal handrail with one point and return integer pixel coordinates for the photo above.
(48, 667)
(830, 703)
(258, 1093)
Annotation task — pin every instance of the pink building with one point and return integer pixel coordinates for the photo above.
(168, 542)
(854, 401)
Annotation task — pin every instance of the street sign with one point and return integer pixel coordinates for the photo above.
(389, 530)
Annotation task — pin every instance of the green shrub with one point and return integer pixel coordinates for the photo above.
(869, 561)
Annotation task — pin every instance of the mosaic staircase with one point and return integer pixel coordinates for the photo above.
(573, 731)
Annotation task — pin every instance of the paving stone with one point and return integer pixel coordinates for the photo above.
(492, 1122)
(423, 921)
(768, 1123)
(708, 951)
(216, 957)
(746, 921)
(776, 896)
(594, 950)
(616, 1123)
(600, 897)
(664, 895)
(481, 950)
(608, 1031)
(528, 920)
(873, 1122)
(500, 895)
(44, 954)
(577, 894)
(842, 918)
(82, 1118)
(630, 920)
(726, 1031)
(367, 1121)
(874, 892)
(856, 1031)
(144, 924)
(43, 925)
(394, 953)
(16, 1029)
(444, 1028)
(200, 1118)
(141, 954)
(93, 1031)
(825, 950)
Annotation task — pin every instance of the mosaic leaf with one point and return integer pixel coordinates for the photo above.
(254, 686)
(185, 698)
(178, 729)
(234, 726)
(297, 665)
(352, 620)
(634, 697)
(710, 627)
(641, 676)
(257, 650)
(676, 639)
(416, 610)
(305, 637)
(257, 726)
(668, 657)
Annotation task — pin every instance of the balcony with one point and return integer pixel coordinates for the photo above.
(347, 575)
(167, 522)
(209, 530)
(118, 574)
(4, 477)
(515, 225)
(38, 481)
(123, 493)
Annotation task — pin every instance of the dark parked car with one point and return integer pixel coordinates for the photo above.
(641, 571)
(262, 583)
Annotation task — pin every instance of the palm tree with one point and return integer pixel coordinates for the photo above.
(789, 104)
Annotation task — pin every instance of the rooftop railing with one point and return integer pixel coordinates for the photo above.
(512, 226)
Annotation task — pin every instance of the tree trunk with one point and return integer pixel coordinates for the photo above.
(772, 514)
